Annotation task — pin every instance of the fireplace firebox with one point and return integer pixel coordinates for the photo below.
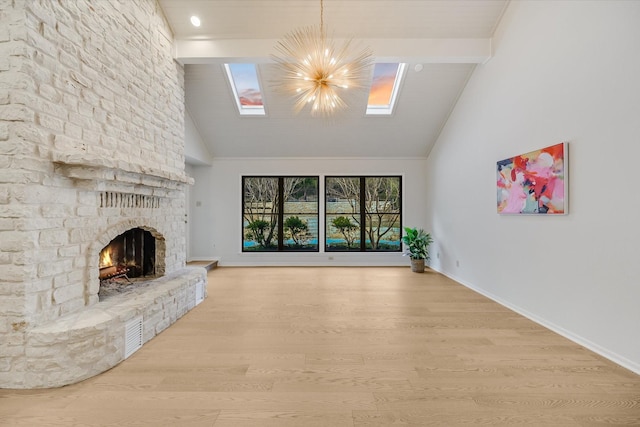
(130, 255)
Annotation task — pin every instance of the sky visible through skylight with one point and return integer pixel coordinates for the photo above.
(245, 79)
(384, 77)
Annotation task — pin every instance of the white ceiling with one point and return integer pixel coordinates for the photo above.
(447, 37)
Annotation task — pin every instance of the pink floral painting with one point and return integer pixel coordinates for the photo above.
(533, 183)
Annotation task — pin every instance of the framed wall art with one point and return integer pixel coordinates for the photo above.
(534, 183)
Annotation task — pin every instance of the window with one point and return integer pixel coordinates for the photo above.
(363, 213)
(246, 88)
(279, 213)
(384, 88)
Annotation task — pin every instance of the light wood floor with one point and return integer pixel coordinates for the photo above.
(343, 347)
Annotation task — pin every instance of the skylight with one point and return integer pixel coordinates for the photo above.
(246, 88)
(384, 88)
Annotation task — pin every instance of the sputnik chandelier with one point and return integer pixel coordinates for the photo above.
(316, 72)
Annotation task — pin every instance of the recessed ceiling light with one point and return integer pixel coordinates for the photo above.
(195, 21)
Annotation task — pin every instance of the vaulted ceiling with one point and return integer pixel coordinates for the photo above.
(441, 41)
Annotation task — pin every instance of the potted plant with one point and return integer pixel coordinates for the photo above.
(417, 242)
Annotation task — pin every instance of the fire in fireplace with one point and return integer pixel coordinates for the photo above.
(132, 254)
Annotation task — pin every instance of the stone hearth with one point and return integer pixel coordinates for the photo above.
(79, 346)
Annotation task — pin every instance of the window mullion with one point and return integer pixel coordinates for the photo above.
(363, 219)
(280, 213)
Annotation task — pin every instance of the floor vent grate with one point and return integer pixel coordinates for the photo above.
(199, 292)
(132, 336)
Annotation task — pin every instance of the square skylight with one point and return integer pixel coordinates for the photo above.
(384, 88)
(246, 88)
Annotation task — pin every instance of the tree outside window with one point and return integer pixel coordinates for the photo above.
(363, 213)
(280, 213)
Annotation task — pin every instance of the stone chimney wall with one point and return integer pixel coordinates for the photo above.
(91, 141)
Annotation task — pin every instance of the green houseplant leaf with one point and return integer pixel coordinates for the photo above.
(417, 242)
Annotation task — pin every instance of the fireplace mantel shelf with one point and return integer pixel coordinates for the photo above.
(86, 167)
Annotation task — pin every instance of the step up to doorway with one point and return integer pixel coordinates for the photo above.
(208, 265)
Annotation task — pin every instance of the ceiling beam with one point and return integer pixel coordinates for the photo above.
(458, 51)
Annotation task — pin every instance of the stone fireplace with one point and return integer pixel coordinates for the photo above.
(92, 154)
(129, 266)
(124, 263)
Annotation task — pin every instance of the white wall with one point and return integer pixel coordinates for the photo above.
(216, 207)
(188, 168)
(195, 153)
(195, 150)
(562, 71)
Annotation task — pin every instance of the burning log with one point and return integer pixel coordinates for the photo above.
(114, 272)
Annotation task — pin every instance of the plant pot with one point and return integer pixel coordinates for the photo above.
(417, 265)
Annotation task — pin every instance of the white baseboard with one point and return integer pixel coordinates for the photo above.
(614, 357)
(290, 263)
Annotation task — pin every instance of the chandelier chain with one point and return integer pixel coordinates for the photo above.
(322, 18)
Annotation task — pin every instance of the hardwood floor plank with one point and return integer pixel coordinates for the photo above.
(284, 419)
(209, 401)
(119, 418)
(417, 418)
(582, 405)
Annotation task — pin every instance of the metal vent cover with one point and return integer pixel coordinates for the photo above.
(199, 292)
(132, 336)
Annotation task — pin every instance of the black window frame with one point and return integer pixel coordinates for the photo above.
(281, 247)
(362, 214)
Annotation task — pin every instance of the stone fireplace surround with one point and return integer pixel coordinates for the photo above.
(91, 144)
(91, 339)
